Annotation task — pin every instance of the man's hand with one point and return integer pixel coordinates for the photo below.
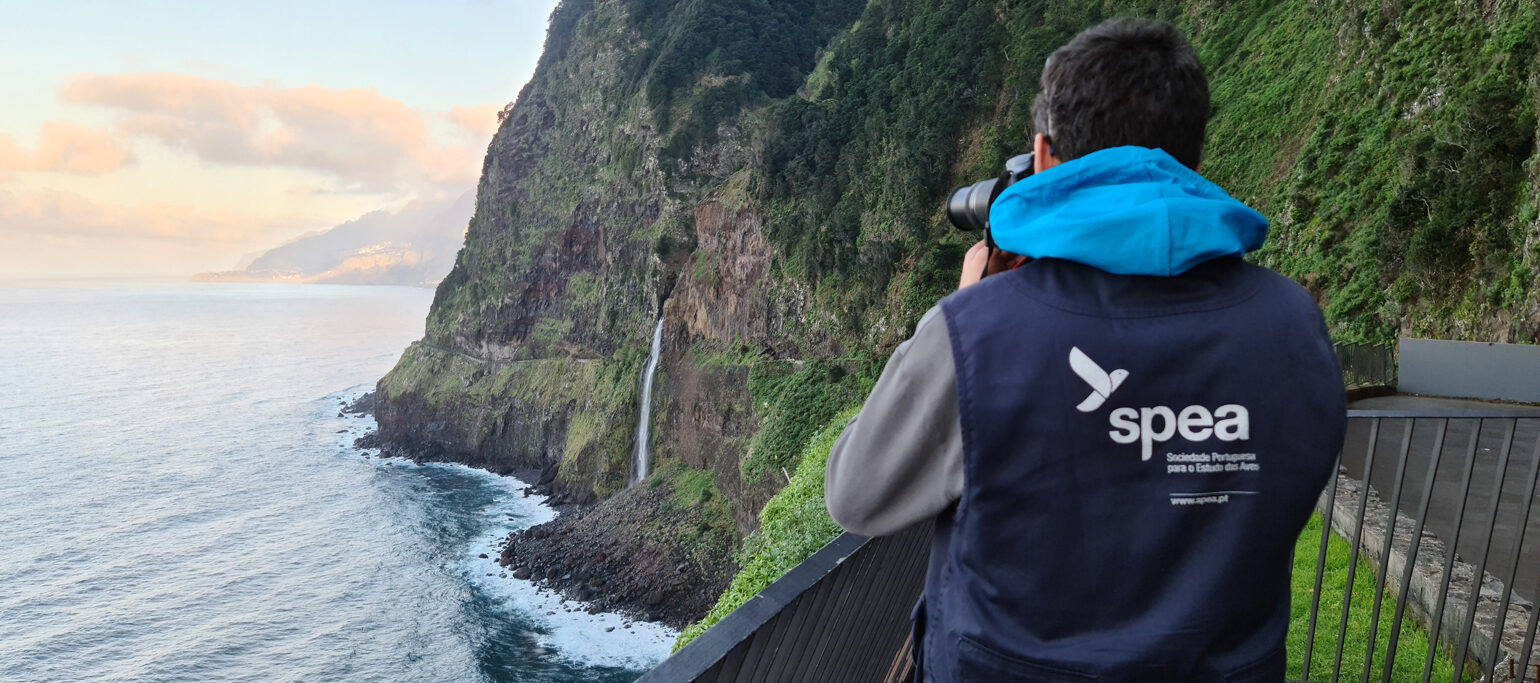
(974, 263)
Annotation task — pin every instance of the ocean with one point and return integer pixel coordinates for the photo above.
(180, 501)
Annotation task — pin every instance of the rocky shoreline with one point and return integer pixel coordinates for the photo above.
(623, 556)
(620, 557)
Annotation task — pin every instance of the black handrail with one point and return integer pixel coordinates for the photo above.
(841, 615)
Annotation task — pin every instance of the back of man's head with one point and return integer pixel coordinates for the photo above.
(1125, 82)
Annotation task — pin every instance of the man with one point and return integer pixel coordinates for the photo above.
(1120, 438)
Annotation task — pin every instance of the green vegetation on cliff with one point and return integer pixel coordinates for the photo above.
(636, 109)
(584, 223)
(793, 525)
(504, 415)
(796, 404)
(713, 535)
(1392, 145)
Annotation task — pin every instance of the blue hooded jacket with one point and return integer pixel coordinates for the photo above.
(1125, 210)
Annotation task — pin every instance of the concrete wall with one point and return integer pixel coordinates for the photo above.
(1508, 372)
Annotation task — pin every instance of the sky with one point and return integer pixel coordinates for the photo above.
(164, 138)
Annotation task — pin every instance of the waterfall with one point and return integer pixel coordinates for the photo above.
(643, 456)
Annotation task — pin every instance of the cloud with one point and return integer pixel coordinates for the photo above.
(358, 136)
(480, 121)
(66, 147)
(59, 214)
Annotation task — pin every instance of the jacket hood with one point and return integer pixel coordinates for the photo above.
(1125, 210)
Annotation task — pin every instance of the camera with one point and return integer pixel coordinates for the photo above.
(968, 208)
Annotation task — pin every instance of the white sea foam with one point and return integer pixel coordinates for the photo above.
(604, 639)
(565, 626)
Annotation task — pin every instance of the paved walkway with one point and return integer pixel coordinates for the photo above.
(1446, 497)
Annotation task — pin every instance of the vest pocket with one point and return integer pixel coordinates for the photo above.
(979, 662)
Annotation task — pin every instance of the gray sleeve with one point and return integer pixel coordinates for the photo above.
(900, 460)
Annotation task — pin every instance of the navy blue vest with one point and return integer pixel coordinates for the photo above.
(1140, 454)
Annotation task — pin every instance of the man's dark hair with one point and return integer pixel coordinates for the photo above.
(1124, 82)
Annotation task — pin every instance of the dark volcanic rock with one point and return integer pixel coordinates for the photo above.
(363, 406)
(370, 440)
(623, 556)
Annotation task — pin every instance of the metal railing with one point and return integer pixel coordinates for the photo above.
(1367, 369)
(1462, 486)
(840, 616)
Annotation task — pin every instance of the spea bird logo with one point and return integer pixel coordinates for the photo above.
(1102, 383)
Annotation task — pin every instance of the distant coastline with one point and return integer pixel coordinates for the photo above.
(258, 277)
(245, 276)
(414, 246)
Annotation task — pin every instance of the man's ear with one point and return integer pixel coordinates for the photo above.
(1042, 154)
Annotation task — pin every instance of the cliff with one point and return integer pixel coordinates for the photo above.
(768, 177)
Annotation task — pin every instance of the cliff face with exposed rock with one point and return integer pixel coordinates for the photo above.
(592, 210)
(768, 177)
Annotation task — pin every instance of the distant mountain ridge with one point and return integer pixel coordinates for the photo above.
(415, 245)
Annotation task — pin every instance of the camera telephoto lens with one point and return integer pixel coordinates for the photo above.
(968, 207)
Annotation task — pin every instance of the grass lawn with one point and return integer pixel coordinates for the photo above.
(1410, 652)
